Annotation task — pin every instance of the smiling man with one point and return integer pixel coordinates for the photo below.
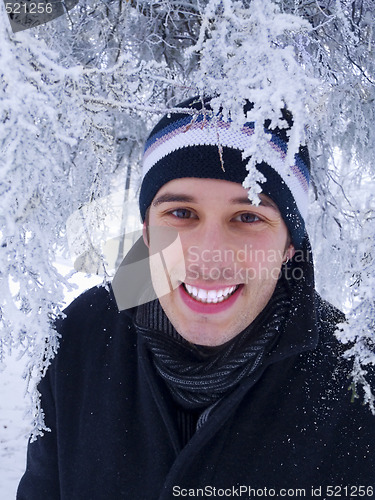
(224, 293)
(232, 384)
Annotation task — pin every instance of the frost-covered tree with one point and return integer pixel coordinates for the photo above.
(78, 94)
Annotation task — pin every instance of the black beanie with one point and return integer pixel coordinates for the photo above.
(196, 145)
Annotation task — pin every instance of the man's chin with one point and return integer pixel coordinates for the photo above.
(205, 330)
(208, 338)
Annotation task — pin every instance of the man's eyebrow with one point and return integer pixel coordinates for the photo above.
(170, 197)
(244, 200)
(184, 198)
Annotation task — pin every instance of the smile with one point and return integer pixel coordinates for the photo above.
(210, 296)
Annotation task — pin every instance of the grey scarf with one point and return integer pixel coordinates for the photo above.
(198, 376)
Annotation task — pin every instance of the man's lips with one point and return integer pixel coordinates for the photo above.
(210, 296)
(212, 303)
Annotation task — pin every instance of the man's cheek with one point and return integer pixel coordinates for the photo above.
(167, 262)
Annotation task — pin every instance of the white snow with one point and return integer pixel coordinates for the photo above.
(14, 421)
(13, 427)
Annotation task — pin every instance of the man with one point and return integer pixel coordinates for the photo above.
(232, 383)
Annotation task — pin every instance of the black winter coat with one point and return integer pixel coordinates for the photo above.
(289, 431)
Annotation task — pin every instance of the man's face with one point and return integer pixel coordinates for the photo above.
(233, 252)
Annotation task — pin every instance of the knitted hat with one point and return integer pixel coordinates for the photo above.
(185, 145)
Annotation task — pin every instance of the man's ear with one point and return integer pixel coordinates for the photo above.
(289, 253)
(145, 234)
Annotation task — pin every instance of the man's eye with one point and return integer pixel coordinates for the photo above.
(182, 213)
(247, 218)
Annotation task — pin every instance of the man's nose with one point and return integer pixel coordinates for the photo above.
(212, 239)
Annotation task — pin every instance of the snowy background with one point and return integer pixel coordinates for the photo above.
(14, 423)
(77, 97)
(13, 428)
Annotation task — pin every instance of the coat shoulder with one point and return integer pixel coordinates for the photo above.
(328, 316)
(93, 307)
(90, 324)
(97, 296)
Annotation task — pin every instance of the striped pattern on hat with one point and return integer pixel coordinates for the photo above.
(183, 145)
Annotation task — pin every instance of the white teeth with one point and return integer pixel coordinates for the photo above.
(202, 294)
(210, 296)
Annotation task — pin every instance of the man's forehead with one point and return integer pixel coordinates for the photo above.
(185, 191)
